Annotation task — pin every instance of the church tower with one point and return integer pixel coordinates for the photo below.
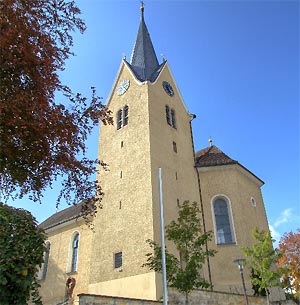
(151, 130)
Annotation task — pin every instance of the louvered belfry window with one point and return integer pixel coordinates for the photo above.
(125, 115)
(171, 117)
(119, 119)
(168, 115)
(122, 117)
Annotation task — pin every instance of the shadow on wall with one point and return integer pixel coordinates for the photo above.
(53, 287)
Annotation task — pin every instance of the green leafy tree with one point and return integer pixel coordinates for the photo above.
(183, 273)
(43, 124)
(262, 259)
(21, 253)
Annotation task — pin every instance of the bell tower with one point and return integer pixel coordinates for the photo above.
(151, 130)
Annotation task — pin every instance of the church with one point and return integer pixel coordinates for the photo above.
(152, 129)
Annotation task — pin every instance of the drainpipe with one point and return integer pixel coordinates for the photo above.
(193, 116)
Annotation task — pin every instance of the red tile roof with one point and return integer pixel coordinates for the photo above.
(212, 156)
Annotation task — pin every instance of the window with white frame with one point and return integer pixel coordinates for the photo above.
(223, 221)
(44, 267)
(75, 247)
(46, 260)
(118, 260)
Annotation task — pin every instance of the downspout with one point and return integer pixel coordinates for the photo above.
(193, 116)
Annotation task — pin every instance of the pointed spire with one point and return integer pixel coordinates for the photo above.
(143, 58)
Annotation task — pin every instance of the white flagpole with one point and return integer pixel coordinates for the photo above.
(162, 236)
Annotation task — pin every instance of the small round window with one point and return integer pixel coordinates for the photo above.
(253, 202)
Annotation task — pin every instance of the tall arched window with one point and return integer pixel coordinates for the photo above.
(46, 260)
(168, 114)
(122, 117)
(223, 221)
(119, 119)
(173, 118)
(44, 267)
(75, 244)
(125, 118)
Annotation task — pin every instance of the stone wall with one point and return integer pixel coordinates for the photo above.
(195, 298)
(92, 299)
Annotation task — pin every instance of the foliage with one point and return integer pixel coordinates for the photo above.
(21, 252)
(262, 260)
(255, 287)
(289, 247)
(183, 273)
(41, 139)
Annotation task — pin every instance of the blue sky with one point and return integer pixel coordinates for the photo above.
(236, 64)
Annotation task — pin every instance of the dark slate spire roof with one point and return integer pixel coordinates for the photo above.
(143, 61)
(212, 156)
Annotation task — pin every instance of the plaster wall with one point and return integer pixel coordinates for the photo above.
(126, 220)
(234, 184)
(53, 287)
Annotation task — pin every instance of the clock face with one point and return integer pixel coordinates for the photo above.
(168, 88)
(123, 86)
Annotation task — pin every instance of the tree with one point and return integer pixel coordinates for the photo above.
(41, 139)
(289, 247)
(183, 273)
(21, 252)
(262, 260)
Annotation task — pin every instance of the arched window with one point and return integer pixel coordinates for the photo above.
(122, 117)
(75, 244)
(223, 221)
(125, 118)
(44, 267)
(119, 119)
(168, 114)
(173, 118)
(46, 260)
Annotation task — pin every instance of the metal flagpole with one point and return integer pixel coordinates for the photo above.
(162, 236)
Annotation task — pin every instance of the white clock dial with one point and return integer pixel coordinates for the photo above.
(123, 86)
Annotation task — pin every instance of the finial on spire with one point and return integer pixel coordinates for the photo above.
(142, 7)
(210, 140)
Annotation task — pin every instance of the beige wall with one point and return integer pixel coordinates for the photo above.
(53, 286)
(238, 186)
(124, 227)
(147, 144)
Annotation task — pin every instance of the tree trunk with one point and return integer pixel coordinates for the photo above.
(268, 296)
(186, 298)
